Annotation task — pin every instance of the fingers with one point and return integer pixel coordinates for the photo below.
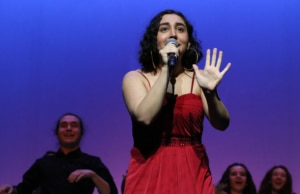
(215, 61)
(207, 61)
(214, 56)
(73, 179)
(169, 48)
(219, 61)
(226, 68)
(6, 189)
(195, 67)
(212, 61)
(77, 175)
(74, 176)
(218, 65)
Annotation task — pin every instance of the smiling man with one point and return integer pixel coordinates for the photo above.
(67, 171)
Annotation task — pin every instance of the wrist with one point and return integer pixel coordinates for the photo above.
(208, 91)
(164, 66)
(211, 93)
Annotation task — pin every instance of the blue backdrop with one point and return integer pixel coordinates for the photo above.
(61, 56)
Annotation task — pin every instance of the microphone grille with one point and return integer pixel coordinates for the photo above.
(172, 41)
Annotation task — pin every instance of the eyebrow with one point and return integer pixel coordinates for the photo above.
(176, 24)
(63, 122)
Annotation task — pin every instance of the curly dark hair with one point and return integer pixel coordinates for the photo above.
(266, 185)
(82, 130)
(149, 55)
(250, 186)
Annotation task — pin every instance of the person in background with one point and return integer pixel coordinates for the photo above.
(67, 171)
(277, 180)
(167, 99)
(123, 183)
(236, 179)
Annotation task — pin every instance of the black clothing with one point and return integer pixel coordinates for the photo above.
(50, 173)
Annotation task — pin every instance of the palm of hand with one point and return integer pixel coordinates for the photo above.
(208, 78)
(211, 75)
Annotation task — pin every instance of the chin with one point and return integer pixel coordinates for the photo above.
(70, 144)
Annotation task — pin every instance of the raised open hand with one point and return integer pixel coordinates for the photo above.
(211, 75)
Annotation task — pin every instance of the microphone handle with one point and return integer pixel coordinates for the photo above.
(172, 60)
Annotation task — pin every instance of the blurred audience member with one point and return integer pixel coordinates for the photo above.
(277, 180)
(67, 171)
(236, 180)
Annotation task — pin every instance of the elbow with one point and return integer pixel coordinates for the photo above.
(221, 124)
(144, 120)
(144, 115)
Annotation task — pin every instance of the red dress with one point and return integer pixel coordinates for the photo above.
(168, 157)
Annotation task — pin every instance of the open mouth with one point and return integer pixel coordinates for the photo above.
(278, 184)
(239, 184)
(68, 135)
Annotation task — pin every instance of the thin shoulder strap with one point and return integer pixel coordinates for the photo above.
(193, 82)
(145, 78)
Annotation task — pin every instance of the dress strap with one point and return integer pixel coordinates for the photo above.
(145, 78)
(193, 79)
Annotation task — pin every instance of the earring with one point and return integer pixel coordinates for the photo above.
(197, 57)
(190, 68)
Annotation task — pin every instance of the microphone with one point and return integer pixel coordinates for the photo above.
(172, 58)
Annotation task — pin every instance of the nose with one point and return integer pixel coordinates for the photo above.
(279, 177)
(173, 33)
(69, 127)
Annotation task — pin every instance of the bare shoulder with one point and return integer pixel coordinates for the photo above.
(131, 76)
(136, 81)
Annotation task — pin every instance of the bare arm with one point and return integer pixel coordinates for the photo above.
(102, 186)
(208, 79)
(144, 103)
(215, 110)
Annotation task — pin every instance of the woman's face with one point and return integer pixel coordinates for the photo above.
(237, 179)
(278, 179)
(172, 25)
